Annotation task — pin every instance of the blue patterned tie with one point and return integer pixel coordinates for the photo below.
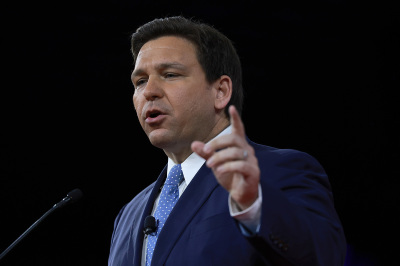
(169, 196)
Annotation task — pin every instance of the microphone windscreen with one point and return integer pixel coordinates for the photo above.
(75, 195)
(150, 223)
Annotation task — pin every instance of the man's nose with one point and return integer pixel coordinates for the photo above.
(153, 89)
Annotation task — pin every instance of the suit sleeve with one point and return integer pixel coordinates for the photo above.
(299, 224)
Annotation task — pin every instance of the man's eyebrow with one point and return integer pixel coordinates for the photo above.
(171, 65)
(138, 72)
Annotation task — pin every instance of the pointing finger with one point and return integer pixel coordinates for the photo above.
(236, 121)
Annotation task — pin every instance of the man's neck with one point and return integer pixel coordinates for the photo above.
(184, 152)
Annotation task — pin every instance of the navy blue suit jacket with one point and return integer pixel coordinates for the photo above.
(299, 224)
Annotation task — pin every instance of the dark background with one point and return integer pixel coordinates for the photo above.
(320, 76)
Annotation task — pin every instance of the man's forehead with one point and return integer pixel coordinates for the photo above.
(145, 49)
(166, 51)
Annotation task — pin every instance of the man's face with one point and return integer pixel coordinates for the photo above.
(173, 100)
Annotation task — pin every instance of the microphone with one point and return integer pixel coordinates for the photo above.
(150, 225)
(71, 197)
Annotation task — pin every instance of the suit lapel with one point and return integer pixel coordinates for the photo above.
(187, 206)
(149, 199)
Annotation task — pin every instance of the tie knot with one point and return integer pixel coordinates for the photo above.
(175, 176)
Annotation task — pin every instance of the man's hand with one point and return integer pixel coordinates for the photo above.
(233, 162)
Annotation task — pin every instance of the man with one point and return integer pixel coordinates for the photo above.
(240, 203)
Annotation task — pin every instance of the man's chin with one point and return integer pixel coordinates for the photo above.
(159, 139)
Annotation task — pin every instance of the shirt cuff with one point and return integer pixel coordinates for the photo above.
(249, 219)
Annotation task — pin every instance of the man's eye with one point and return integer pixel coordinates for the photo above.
(170, 75)
(140, 82)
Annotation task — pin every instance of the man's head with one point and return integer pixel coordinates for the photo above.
(183, 80)
(215, 52)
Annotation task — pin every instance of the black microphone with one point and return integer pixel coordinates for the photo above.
(150, 225)
(71, 197)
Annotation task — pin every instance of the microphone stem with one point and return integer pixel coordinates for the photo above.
(27, 231)
(72, 196)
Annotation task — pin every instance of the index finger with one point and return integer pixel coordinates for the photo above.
(236, 122)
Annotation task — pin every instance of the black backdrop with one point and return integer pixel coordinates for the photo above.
(319, 76)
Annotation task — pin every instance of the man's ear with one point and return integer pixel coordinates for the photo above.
(223, 87)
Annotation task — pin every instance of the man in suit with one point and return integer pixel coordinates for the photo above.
(240, 203)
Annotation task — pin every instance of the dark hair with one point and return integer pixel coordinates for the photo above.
(215, 52)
